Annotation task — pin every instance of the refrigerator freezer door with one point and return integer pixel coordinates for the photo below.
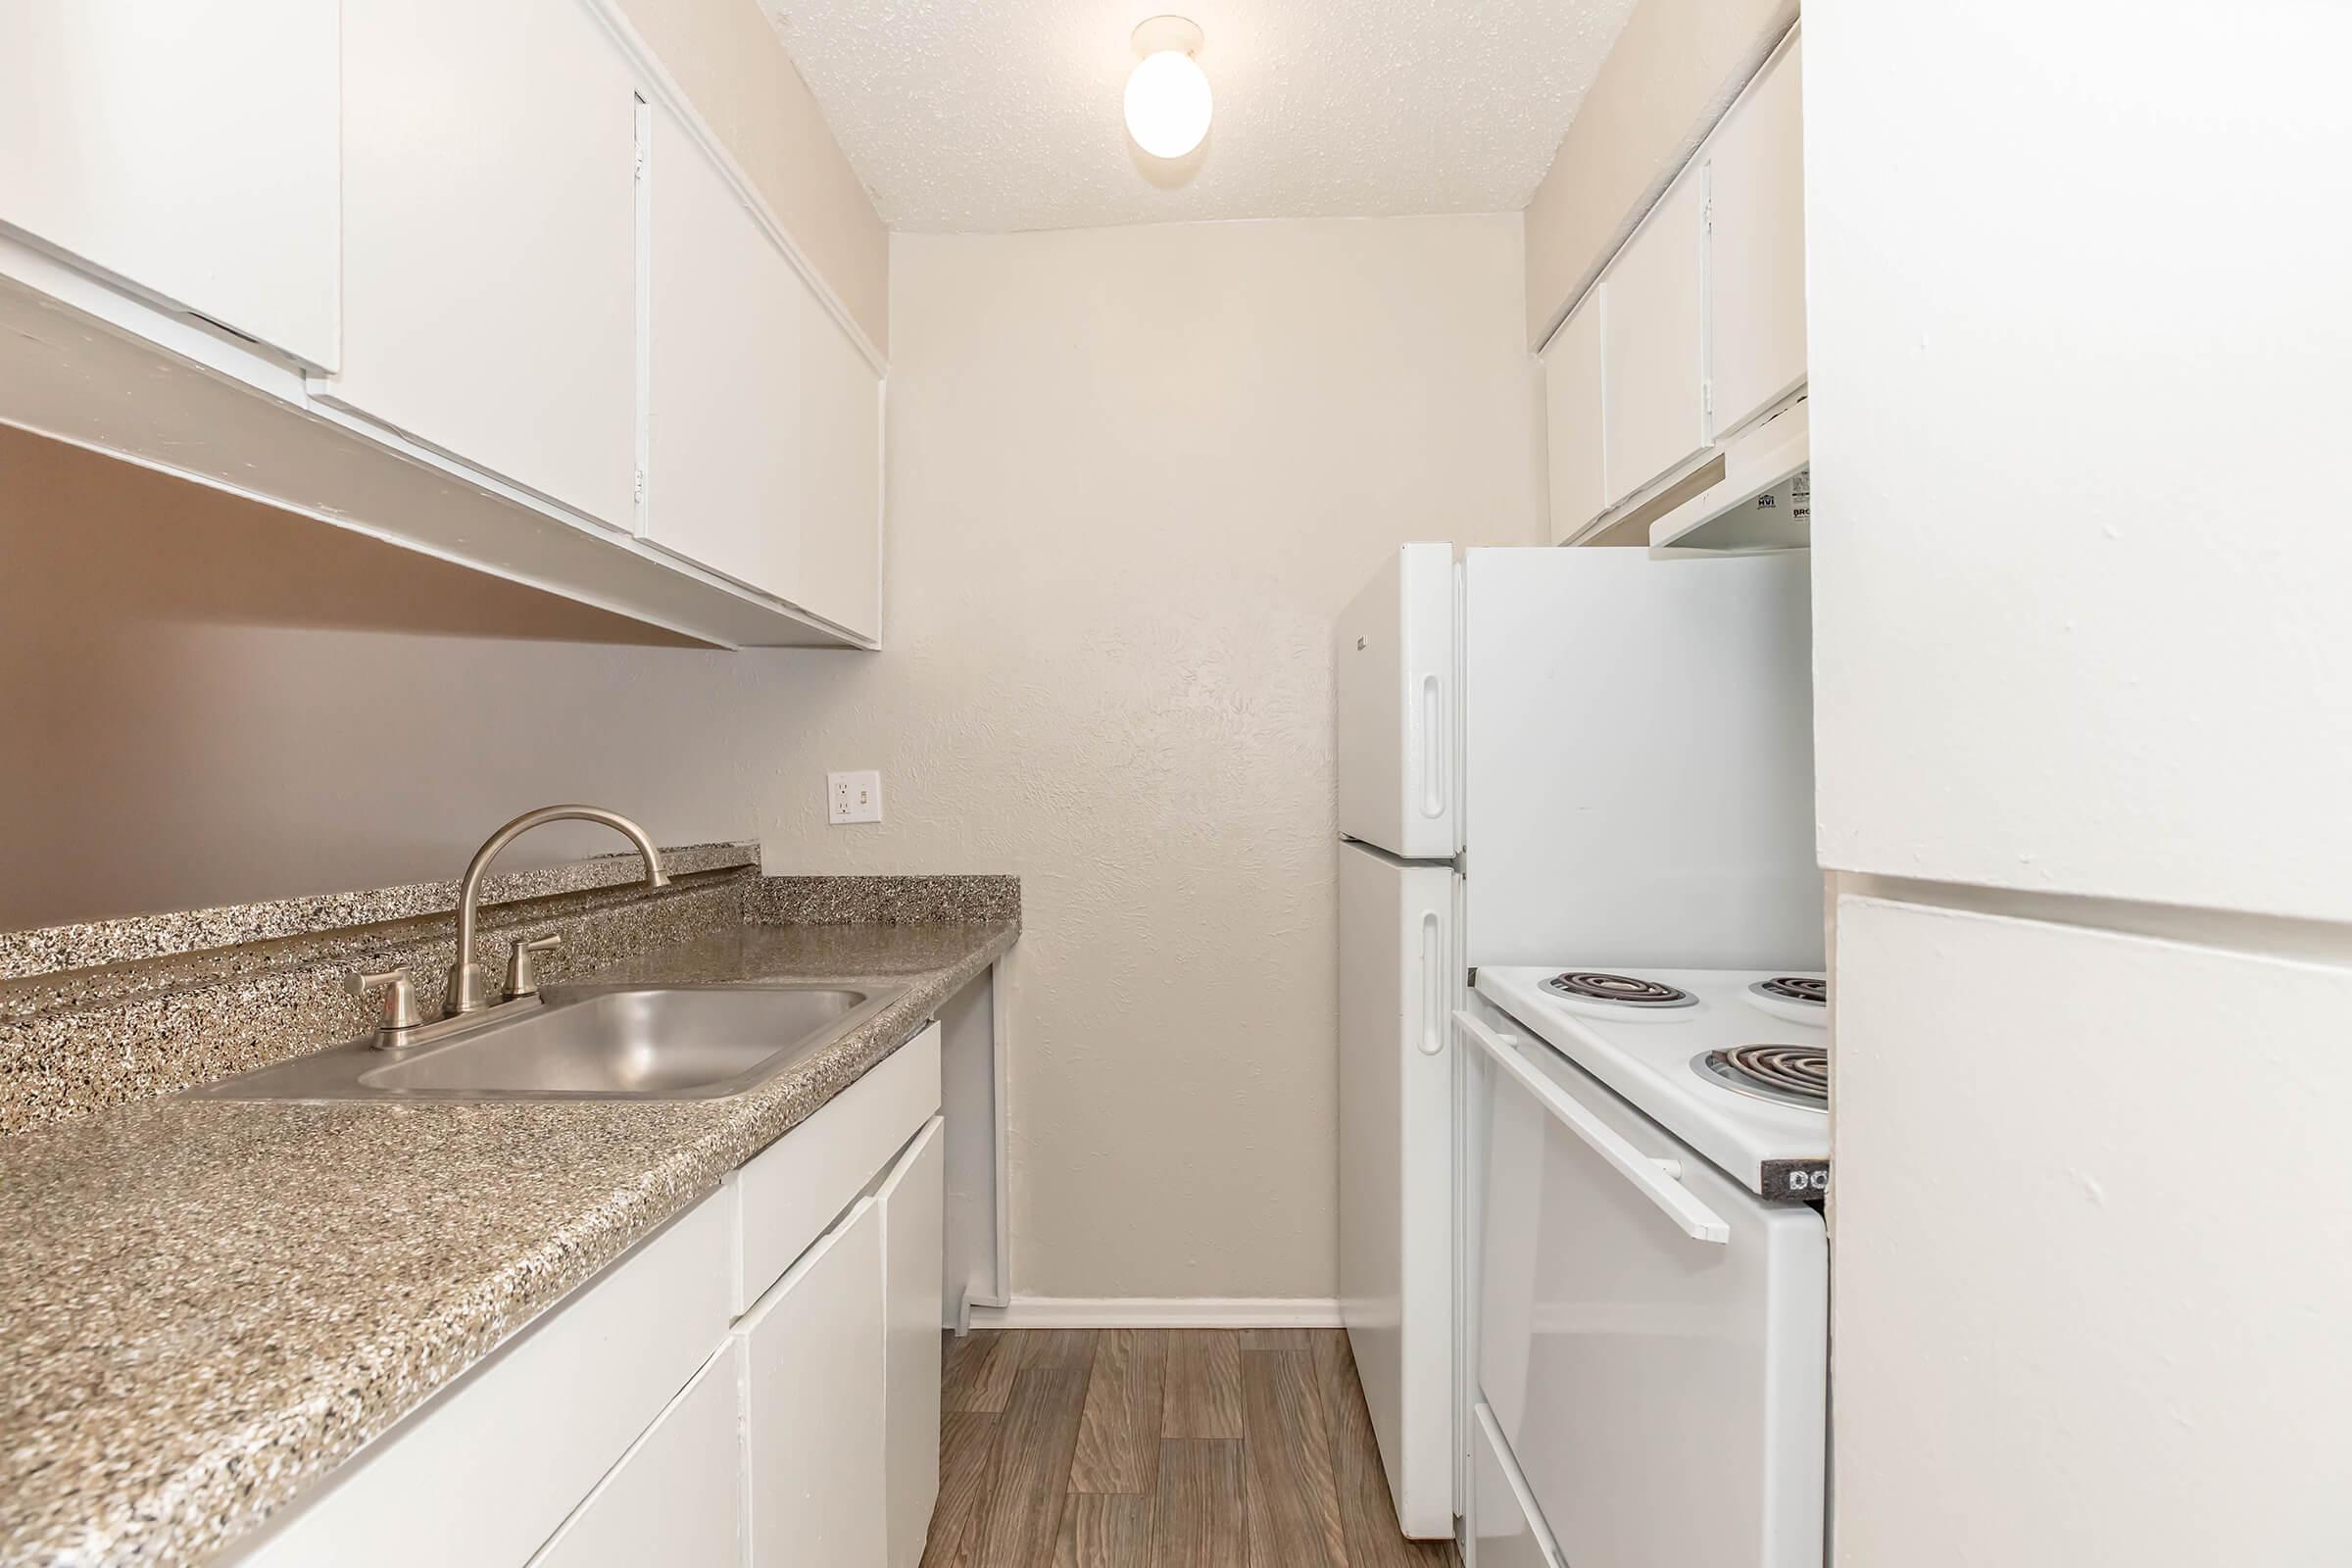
(1398, 719)
(1399, 971)
(1638, 754)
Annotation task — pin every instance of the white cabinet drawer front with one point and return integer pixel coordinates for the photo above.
(1756, 248)
(490, 240)
(186, 146)
(485, 1474)
(1653, 345)
(788, 1195)
(813, 1405)
(676, 1497)
(913, 1200)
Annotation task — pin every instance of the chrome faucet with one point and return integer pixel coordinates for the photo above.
(466, 975)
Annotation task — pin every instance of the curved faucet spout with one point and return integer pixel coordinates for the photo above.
(466, 975)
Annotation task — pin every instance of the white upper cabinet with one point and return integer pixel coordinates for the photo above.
(1653, 345)
(1572, 419)
(2080, 560)
(723, 466)
(1757, 247)
(841, 476)
(764, 451)
(490, 246)
(187, 147)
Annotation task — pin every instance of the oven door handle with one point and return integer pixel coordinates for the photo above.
(1660, 1180)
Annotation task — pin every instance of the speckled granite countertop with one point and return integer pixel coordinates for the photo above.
(207, 1306)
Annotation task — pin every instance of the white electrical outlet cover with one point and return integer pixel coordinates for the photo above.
(854, 797)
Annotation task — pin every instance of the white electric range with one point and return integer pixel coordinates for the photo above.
(1651, 1267)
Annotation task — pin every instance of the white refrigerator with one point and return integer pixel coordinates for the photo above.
(1544, 757)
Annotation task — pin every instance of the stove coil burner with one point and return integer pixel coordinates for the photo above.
(1794, 987)
(1791, 1075)
(1622, 990)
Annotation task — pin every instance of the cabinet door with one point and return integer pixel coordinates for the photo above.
(188, 147)
(1572, 419)
(1652, 354)
(505, 1454)
(812, 1418)
(676, 1497)
(841, 475)
(913, 1202)
(1757, 247)
(2173, 1177)
(724, 450)
(490, 240)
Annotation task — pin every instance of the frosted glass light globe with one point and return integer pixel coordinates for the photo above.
(1167, 104)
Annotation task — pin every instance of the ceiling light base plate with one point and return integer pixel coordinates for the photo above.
(1158, 35)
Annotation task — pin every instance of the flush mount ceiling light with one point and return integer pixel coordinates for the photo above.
(1168, 97)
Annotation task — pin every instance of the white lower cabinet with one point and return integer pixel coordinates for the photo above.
(676, 1497)
(813, 1405)
(913, 1204)
(653, 1418)
(486, 1472)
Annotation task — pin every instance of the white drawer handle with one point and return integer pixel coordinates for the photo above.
(1659, 1179)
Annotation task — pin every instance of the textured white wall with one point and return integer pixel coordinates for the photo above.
(1134, 471)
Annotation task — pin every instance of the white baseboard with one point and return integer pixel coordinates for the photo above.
(1161, 1312)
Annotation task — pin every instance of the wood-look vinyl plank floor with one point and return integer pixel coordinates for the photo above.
(1118, 1437)
(1105, 1530)
(1294, 1506)
(977, 1371)
(966, 1449)
(1197, 1513)
(1203, 1397)
(1162, 1449)
(1029, 1473)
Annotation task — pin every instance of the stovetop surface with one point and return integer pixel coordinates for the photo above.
(1647, 1054)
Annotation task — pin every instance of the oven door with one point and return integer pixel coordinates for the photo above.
(1653, 1338)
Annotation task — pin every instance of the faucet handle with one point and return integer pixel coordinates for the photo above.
(400, 1011)
(522, 976)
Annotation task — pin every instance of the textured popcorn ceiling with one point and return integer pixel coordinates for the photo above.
(995, 115)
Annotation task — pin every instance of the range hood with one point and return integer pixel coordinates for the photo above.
(1762, 502)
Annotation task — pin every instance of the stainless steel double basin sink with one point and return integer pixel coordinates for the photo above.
(586, 1043)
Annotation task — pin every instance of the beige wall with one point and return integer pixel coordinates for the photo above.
(727, 57)
(1673, 72)
(203, 701)
(1134, 473)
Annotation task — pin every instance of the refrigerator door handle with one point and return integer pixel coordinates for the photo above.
(1433, 985)
(1660, 1180)
(1432, 747)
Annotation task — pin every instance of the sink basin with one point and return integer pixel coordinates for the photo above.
(587, 1043)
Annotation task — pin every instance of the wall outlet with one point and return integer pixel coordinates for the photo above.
(854, 797)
